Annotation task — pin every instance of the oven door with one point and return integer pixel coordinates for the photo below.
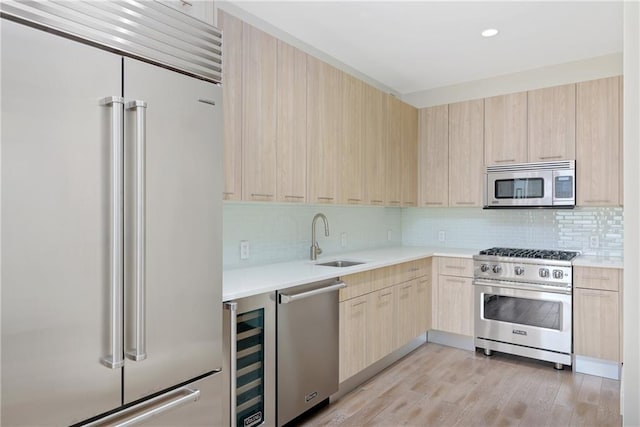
(519, 189)
(507, 313)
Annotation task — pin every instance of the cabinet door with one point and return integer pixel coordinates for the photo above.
(405, 310)
(353, 337)
(375, 144)
(505, 129)
(466, 153)
(259, 115)
(409, 167)
(596, 324)
(454, 309)
(291, 157)
(394, 154)
(324, 122)
(232, 105)
(423, 304)
(598, 142)
(351, 156)
(552, 123)
(380, 328)
(433, 154)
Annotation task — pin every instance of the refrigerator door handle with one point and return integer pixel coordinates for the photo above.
(139, 350)
(233, 355)
(150, 408)
(115, 360)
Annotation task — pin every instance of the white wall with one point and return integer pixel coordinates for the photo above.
(631, 135)
(570, 72)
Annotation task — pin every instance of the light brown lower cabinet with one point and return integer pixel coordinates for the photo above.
(597, 314)
(382, 316)
(453, 303)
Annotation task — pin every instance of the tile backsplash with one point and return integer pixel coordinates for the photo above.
(567, 229)
(282, 232)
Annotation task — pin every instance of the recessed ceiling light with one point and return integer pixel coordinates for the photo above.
(489, 32)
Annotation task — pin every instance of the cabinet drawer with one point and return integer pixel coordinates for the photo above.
(455, 266)
(357, 284)
(606, 279)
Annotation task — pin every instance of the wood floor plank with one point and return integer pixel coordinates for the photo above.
(443, 386)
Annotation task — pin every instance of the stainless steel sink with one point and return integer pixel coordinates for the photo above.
(340, 263)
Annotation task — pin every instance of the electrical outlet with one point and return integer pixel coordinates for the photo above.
(441, 236)
(343, 239)
(594, 242)
(389, 235)
(244, 249)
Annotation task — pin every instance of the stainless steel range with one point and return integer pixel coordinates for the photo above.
(523, 303)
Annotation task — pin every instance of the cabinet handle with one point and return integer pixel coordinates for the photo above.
(358, 303)
(598, 201)
(261, 195)
(354, 200)
(505, 160)
(549, 157)
(455, 280)
(394, 202)
(409, 203)
(433, 203)
(414, 269)
(227, 192)
(596, 278)
(406, 287)
(465, 203)
(454, 267)
(186, 3)
(294, 197)
(423, 281)
(376, 201)
(325, 198)
(385, 294)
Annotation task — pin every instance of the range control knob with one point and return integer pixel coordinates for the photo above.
(543, 272)
(558, 274)
(518, 270)
(484, 268)
(497, 269)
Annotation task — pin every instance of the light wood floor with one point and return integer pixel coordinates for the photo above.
(442, 386)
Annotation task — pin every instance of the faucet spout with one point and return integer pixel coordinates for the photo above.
(315, 248)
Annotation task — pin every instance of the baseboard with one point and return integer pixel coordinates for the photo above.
(372, 370)
(598, 367)
(462, 342)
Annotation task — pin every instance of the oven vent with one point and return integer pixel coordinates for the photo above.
(559, 165)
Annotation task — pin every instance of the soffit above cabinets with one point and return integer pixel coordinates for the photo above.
(411, 46)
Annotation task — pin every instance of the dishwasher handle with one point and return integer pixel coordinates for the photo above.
(285, 299)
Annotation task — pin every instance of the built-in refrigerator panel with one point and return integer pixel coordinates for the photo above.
(56, 184)
(181, 256)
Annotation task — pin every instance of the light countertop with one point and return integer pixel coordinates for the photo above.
(244, 282)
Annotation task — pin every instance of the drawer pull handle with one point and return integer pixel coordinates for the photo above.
(358, 303)
(597, 278)
(385, 294)
(598, 201)
(261, 195)
(465, 203)
(376, 201)
(549, 157)
(454, 267)
(354, 200)
(325, 198)
(394, 202)
(455, 280)
(505, 160)
(294, 197)
(409, 203)
(433, 203)
(406, 287)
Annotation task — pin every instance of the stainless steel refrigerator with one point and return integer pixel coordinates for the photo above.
(111, 227)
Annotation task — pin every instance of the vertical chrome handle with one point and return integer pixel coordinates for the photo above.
(115, 359)
(233, 354)
(139, 350)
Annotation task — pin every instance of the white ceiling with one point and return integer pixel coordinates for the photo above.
(411, 46)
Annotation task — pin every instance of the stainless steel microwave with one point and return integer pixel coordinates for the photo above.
(531, 185)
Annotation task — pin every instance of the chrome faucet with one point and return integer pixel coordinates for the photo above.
(315, 248)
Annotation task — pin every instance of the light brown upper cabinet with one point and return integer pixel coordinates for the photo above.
(409, 166)
(375, 144)
(324, 123)
(232, 105)
(433, 155)
(505, 129)
(351, 149)
(598, 142)
(466, 147)
(394, 153)
(552, 123)
(259, 63)
(291, 184)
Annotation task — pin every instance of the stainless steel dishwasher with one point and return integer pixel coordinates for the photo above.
(307, 347)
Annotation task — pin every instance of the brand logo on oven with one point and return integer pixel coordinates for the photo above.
(519, 332)
(253, 420)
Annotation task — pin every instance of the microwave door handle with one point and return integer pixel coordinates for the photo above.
(518, 193)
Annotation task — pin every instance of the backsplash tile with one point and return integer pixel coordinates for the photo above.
(282, 232)
(473, 228)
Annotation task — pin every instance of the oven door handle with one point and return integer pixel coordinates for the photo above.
(566, 290)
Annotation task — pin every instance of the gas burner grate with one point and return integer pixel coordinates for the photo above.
(531, 253)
